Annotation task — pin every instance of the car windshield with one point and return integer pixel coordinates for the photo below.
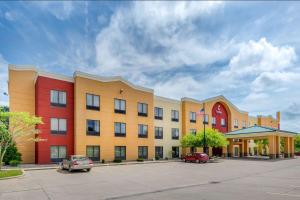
(79, 158)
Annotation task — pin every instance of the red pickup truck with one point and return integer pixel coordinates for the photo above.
(196, 157)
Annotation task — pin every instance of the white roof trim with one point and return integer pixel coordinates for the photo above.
(212, 99)
(111, 79)
(167, 99)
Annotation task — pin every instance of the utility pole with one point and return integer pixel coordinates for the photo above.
(204, 122)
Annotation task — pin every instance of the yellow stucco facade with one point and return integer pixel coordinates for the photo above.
(21, 87)
(108, 91)
(167, 124)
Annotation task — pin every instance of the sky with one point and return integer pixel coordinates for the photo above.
(246, 51)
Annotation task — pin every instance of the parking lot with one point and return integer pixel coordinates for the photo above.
(227, 179)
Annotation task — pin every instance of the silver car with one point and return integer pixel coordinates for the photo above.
(77, 162)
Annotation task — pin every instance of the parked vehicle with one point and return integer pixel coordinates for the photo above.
(77, 162)
(196, 157)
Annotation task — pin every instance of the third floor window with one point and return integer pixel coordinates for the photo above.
(175, 115)
(158, 113)
(193, 117)
(120, 106)
(58, 98)
(92, 102)
(142, 109)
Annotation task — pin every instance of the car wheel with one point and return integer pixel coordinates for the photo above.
(62, 166)
(184, 160)
(70, 169)
(88, 170)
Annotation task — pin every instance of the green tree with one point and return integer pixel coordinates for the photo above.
(213, 139)
(262, 146)
(12, 154)
(17, 127)
(297, 143)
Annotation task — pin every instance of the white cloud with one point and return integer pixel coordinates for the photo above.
(157, 36)
(3, 78)
(11, 15)
(62, 10)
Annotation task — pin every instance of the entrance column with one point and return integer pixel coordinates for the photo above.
(241, 148)
(292, 147)
(287, 147)
(272, 146)
(224, 151)
(230, 148)
(277, 146)
(246, 148)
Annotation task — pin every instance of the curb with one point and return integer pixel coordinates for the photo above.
(11, 177)
(104, 165)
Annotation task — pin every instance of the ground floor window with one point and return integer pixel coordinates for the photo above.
(175, 152)
(159, 151)
(93, 152)
(120, 152)
(143, 152)
(58, 153)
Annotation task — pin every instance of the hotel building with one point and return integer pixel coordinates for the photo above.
(109, 118)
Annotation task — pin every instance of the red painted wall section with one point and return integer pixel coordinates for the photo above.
(43, 109)
(219, 112)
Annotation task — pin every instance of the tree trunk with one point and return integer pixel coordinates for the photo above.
(2, 153)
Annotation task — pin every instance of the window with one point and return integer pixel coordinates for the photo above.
(120, 152)
(236, 123)
(143, 152)
(223, 123)
(120, 129)
(143, 131)
(120, 106)
(58, 98)
(244, 124)
(205, 120)
(175, 152)
(58, 153)
(142, 109)
(92, 102)
(175, 133)
(193, 131)
(92, 127)
(93, 152)
(58, 126)
(159, 151)
(158, 113)
(158, 132)
(175, 115)
(213, 121)
(193, 117)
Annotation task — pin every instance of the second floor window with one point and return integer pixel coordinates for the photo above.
(58, 126)
(142, 109)
(58, 98)
(92, 102)
(175, 133)
(120, 129)
(243, 124)
(158, 113)
(205, 120)
(175, 115)
(213, 121)
(92, 127)
(143, 131)
(120, 106)
(223, 123)
(236, 123)
(158, 132)
(193, 117)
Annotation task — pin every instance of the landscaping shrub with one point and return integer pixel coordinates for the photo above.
(103, 161)
(140, 159)
(157, 157)
(11, 154)
(14, 163)
(117, 161)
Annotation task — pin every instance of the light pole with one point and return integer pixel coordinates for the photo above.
(204, 122)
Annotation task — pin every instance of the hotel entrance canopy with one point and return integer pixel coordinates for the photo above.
(241, 138)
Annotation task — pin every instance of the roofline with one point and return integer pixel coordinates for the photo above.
(111, 79)
(40, 72)
(270, 130)
(213, 98)
(166, 99)
(257, 134)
